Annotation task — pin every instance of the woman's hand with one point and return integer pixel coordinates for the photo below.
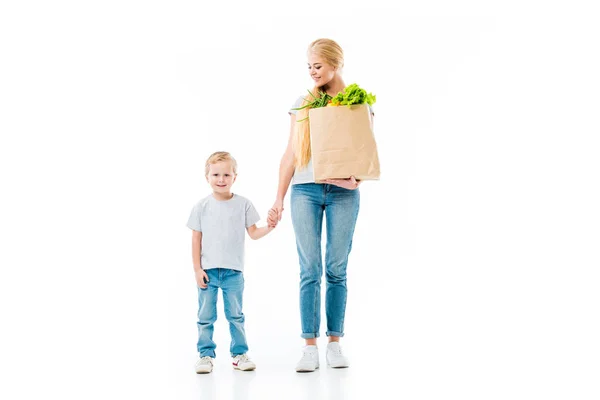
(278, 211)
(349, 184)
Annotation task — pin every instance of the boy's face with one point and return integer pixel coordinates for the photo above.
(221, 176)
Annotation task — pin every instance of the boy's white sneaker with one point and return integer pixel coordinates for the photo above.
(243, 363)
(335, 357)
(310, 359)
(204, 365)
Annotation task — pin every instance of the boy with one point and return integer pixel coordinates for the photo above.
(218, 222)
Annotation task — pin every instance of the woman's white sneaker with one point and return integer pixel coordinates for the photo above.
(243, 363)
(204, 365)
(335, 357)
(310, 359)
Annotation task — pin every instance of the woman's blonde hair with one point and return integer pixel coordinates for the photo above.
(333, 54)
(219, 156)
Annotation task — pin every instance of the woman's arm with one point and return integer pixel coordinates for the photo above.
(286, 171)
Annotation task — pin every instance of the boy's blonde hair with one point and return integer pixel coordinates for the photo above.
(333, 54)
(220, 156)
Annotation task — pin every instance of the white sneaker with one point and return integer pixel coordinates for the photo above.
(204, 365)
(243, 363)
(310, 359)
(335, 358)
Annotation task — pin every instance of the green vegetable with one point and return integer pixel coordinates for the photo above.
(316, 102)
(353, 94)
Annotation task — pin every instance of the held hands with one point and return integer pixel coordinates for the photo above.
(200, 278)
(275, 213)
(349, 184)
(273, 219)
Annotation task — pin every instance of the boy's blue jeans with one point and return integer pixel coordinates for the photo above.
(231, 283)
(309, 202)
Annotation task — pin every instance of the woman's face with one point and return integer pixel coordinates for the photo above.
(320, 71)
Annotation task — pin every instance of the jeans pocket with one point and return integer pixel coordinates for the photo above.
(235, 277)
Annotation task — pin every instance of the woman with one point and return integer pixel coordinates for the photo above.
(337, 199)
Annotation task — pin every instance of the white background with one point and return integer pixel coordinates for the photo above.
(474, 271)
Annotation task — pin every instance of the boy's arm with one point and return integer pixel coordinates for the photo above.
(196, 249)
(256, 233)
(201, 276)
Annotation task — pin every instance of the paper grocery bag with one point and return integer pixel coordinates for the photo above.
(342, 143)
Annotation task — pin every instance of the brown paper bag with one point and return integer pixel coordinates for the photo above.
(342, 143)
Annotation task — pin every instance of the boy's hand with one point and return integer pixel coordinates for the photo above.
(272, 219)
(200, 277)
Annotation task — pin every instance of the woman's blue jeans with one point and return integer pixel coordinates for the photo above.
(309, 203)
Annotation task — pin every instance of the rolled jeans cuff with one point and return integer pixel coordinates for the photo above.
(310, 335)
(332, 333)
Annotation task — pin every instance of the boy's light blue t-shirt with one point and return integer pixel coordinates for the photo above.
(306, 174)
(223, 225)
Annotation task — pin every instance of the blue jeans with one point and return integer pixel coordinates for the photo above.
(231, 283)
(309, 202)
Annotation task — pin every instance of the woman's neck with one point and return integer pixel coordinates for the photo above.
(333, 87)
